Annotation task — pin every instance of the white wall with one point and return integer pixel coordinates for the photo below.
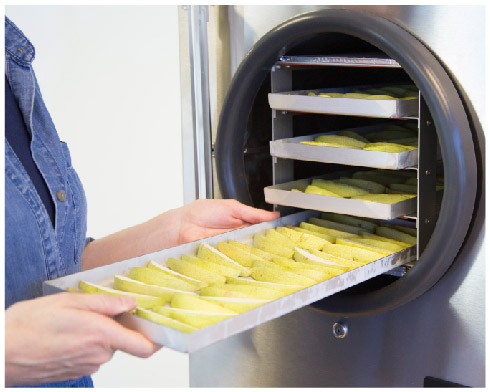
(110, 79)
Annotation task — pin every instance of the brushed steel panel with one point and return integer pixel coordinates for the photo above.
(455, 33)
(440, 334)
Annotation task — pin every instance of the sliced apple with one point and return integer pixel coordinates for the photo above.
(164, 320)
(188, 268)
(168, 271)
(144, 301)
(196, 318)
(238, 305)
(240, 291)
(285, 288)
(276, 275)
(124, 283)
(185, 301)
(209, 253)
(152, 276)
(240, 255)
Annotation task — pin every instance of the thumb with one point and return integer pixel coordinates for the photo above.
(254, 215)
(108, 305)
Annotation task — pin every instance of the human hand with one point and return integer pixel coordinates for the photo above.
(207, 217)
(66, 336)
(200, 219)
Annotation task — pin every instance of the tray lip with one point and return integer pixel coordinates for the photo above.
(190, 342)
(345, 60)
(290, 148)
(298, 101)
(281, 194)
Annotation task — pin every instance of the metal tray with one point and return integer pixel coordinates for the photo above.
(292, 149)
(342, 60)
(299, 101)
(282, 195)
(191, 342)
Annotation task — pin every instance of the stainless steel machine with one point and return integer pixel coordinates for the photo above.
(425, 327)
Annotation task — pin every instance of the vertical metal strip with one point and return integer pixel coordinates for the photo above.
(282, 127)
(198, 51)
(427, 198)
(187, 110)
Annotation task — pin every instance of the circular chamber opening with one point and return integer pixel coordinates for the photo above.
(244, 163)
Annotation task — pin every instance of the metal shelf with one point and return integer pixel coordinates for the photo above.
(341, 60)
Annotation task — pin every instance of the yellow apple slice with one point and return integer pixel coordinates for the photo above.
(168, 271)
(189, 302)
(209, 253)
(351, 253)
(240, 255)
(269, 245)
(188, 268)
(240, 291)
(284, 288)
(238, 305)
(255, 251)
(301, 239)
(219, 269)
(124, 283)
(276, 275)
(164, 320)
(396, 235)
(144, 301)
(382, 252)
(195, 318)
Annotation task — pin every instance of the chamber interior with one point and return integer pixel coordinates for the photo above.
(258, 162)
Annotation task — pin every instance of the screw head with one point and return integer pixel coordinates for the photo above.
(427, 172)
(340, 330)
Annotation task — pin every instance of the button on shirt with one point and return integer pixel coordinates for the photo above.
(35, 249)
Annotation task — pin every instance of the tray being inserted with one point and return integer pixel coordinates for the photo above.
(190, 342)
(300, 101)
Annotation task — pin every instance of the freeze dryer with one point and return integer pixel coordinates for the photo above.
(415, 327)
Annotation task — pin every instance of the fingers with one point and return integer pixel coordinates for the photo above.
(118, 336)
(253, 215)
(108, 305)
(131, 342)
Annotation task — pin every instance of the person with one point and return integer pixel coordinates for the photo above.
(60, 339)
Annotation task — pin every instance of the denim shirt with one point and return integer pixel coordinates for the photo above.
(36, 251)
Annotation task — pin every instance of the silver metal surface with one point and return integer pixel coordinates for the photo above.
(443, 336)
(300, 101)
(291, 148)
(196, 134)
(340, 330)
(443, 330)
(426, 175)
(282, 127)
(340, 61)
(283, 194)
(198, 19)
(455, 33)
(190, 342)
(186, 117)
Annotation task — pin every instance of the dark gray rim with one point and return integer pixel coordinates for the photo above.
(447, 110)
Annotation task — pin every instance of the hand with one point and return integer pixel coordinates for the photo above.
(207, 217)
(197, 220)
(65, 336)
